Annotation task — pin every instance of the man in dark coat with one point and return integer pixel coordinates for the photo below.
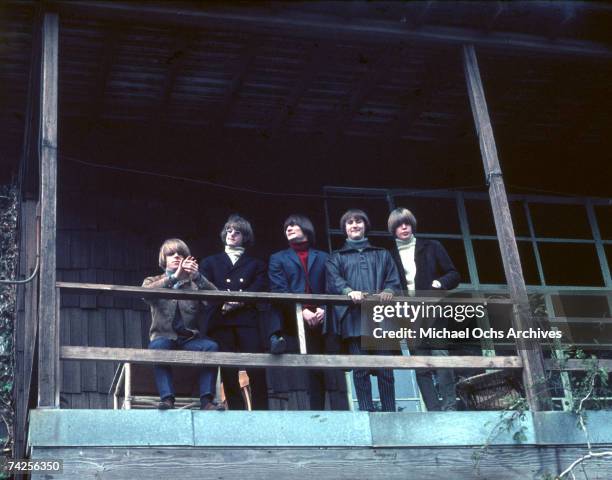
(301, 269)
(424, 265)
(235, 325)
(358, 269)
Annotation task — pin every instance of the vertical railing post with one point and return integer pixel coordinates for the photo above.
(300, 327)
(48, 338)
(530, 351)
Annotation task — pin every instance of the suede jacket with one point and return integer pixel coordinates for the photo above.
(163, 310)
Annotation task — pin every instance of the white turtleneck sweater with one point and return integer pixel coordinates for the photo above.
(406, 251)
(234, 253)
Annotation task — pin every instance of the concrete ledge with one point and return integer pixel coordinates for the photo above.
(142, 428)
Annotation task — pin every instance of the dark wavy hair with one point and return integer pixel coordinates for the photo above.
(355, 213)
(304, 223)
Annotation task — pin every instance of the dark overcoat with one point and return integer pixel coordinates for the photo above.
(370, 270)
(247, 274)
(432, 263)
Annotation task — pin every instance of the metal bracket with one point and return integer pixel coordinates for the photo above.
(497, 173)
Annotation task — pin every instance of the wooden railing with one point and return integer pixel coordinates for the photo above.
(302, 360)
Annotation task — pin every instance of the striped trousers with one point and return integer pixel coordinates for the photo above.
(361, 379)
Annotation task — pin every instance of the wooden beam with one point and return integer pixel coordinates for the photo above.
(231, 93)
(330, 362)
(29, 171)
(261, 20)
(500, 7)
(183, 44)
(578, 365)
(312, 65)
(530, 351)
(429, 85)
(48, 323)
(377, 71)
(122, 290)
(98, 94)
(27, 322)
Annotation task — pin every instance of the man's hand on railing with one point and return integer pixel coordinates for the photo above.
(386, 296)
(356, 296)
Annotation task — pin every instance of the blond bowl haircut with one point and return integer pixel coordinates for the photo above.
(354, 213)
(401, 215)
(171, 246)
(243, 226)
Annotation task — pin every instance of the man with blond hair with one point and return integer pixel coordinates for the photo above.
(424, 265)
(174, 323)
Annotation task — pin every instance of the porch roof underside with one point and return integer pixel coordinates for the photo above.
(325, 82)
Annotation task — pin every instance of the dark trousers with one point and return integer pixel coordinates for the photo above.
(361, 379)
(444, 398)
(246, 340)
(315, 343)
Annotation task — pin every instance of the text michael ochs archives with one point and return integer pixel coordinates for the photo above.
(432, 323)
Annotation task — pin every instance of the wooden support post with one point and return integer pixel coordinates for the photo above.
(27, 322)
(530, 351)
(27, 316)
(48, 339)
(127, 400)
(300, 327)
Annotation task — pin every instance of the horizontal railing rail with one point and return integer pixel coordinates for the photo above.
(125, 290)
(291, 360)
(266, 360)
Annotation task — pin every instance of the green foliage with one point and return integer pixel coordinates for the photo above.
(510, 421)
(8, 263)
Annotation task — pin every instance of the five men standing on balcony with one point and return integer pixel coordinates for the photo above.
(357, 270)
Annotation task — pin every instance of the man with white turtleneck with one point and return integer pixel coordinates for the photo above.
(235, 326)
(424, 265)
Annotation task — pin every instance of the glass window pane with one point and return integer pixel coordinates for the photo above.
(480, 217)
(562, 221)
(519, 220)
(608, 250)
(490, 266)
(577, 305)
(528, 262)
(481, 221)
(456, 252)
(604, 220)
(570, 264)
(488, 261)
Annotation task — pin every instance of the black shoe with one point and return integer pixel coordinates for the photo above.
(166, 404)
(278, 344)
(212, 406)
